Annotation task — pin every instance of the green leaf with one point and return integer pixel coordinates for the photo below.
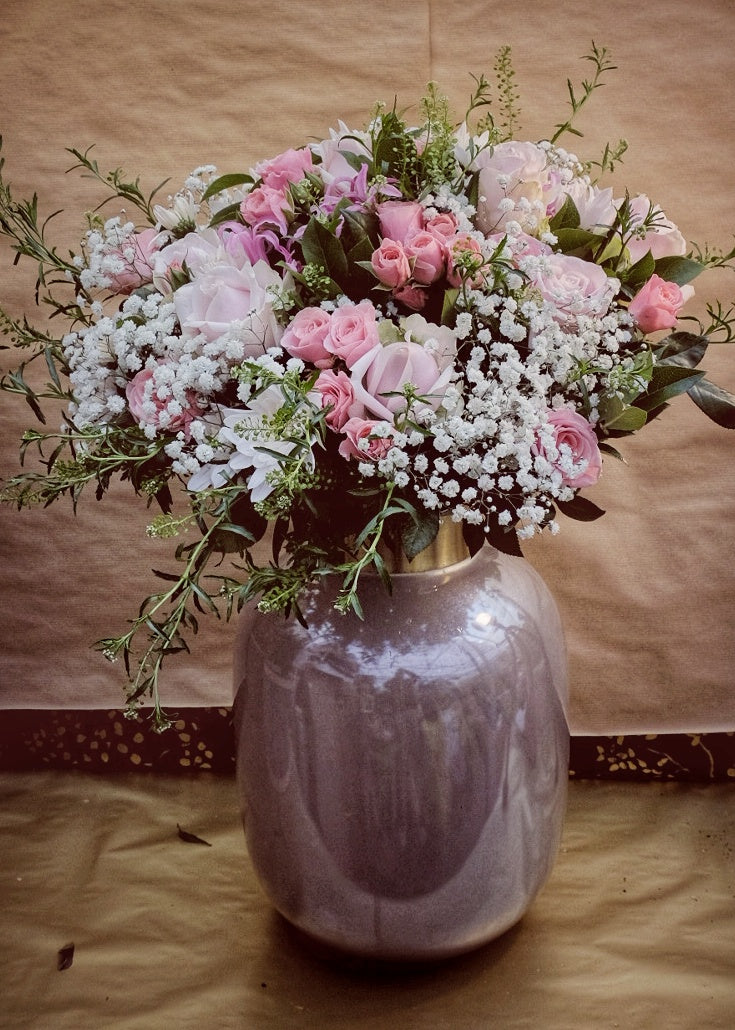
(679, 270)
(581, 509)
(225, 214)
(226, 182)
(567, 217)
(574, 240)
(620, 417)
(667, 381)
(419, 533)
(448, 306)
(681, 348)
(716, 403)
(322, 248)
(639, 273)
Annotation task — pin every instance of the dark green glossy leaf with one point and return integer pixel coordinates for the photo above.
(716, 403)
(419, 533)
(581, 509)
(572, 240)
(679, 270)
(668, 381)
(567, 217)
(322, 248)
(225, 214)
(682, 348)
(226, 182)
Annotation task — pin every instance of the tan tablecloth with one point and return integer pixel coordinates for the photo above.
(635, 928)
(161, 87)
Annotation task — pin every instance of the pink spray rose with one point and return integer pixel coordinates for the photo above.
(153, 405)
(353, 331)
(464, 251)
(267, 206)
(290, 166)
(427, 254)
(399, 219)
(359, 430)
(657, 304)
(131, 264)
(576, 454)
(390, 264)
(443, 225)
(335, 390)
(304, 338)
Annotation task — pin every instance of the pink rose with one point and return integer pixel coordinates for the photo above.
(335, 391)
(304, 338)
(574, 286)
(223, 295)
(379, 377)
(267, 206)
(195, 250)
(130, 265)
(413, 297)
(353, 331)
(464, 261)
(663, 239)
(290, 166)
(360, 431)
(390, 264)
(575, 453)
(657, 304)
(427, 255)
(515, 172)
(443, 225)
(399, 219)
(155, 404)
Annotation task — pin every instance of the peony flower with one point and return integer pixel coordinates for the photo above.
(657, 304)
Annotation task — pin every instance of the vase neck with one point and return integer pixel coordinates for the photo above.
(447, 548)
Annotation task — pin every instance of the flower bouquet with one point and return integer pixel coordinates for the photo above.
(348, 344)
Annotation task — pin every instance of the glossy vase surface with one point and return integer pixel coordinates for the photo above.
(403, 778)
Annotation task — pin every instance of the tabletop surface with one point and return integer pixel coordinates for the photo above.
(635, 928)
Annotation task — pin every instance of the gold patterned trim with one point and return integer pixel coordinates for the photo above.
(201, 740)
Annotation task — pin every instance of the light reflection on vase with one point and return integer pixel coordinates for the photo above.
(403, 778)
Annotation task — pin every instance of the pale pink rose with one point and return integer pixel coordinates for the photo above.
(413, 297)
(290, 166)
(663, 239)
(520, 245)
(574, 286)
(360, 430)
(132, 261)
(443, 225)
(379, 377)
(149, 408)
(462, 247)
(596, 207)
(335, 391)
(657, 304)
(399, 219)
(427, 254)
(225, 294)
(195, 251)
(353, 331)
(515, 171)
(267, 206)
(390, 263)
(305, 335)
(575, 453)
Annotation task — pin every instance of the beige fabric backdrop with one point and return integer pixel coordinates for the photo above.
(164, 85)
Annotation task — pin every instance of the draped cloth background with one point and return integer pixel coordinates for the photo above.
(161, 87)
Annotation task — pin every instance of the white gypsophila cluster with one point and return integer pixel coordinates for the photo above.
(108, 251)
